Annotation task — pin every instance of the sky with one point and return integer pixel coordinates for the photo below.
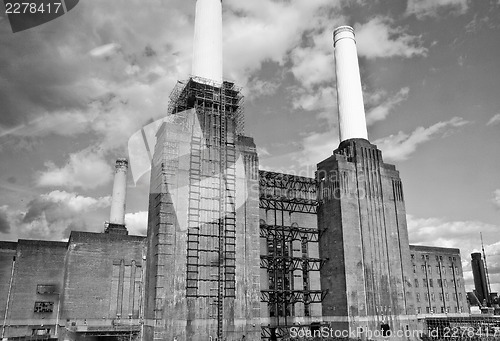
(73, 90)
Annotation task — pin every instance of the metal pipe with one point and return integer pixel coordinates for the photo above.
(8, 296)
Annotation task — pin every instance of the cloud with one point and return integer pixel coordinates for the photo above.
(137, 223)
(269, 30)
(323, 98)
(4, 221)
(383, 108)
(496, 199)
(105, 51)
(313, 64)
(494, 120)
(463, 235)
(262, 152)
(433, 8)
(85, 169)
(53, 215)
(259, 88)
(400, 146)
(377, 39)
(316, 146)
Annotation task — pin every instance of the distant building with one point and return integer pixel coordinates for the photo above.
(438, 282)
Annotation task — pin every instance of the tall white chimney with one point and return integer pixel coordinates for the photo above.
(207, 50)
(352, 121)
(117, 215)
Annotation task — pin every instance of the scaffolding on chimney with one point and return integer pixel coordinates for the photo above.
(198, 90)
(211, 235)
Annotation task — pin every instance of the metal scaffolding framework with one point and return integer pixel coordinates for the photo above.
(286, 192)
(211, 235)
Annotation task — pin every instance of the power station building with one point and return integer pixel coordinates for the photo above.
(233, 252)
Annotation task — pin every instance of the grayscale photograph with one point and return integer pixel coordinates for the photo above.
(249, 170)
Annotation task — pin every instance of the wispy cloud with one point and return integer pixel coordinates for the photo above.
(383, 108)
(494, 120)
(496, 197)
(433, 8)
(401, 145)
(378, 39)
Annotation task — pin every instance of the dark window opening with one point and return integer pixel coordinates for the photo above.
(386, 329)
(44, 307)
(46, 289)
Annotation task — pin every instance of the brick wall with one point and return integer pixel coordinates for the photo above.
(103, 277)
(37, 263)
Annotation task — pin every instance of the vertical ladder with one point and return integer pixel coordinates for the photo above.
(193, 216)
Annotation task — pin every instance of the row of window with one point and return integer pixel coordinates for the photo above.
(443, 310)
(441, 297)
(44, 307)
(438, 258)
(439, 269)
(440, 283)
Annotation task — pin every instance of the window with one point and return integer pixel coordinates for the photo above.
(445, 283)
(447, 310)
(440, 283)
(46, 289)
(416, 282)
(433, 310)
(429, 268)
(442, 309)
(428, 309)
(412, 257)
(441, 297)
(433, 297)
(414, 268)
(437, 269)
(425, 282)
(447, 295)
(419, 310)
(443, 270)
(423, 268)
(430, 283)
(418, 297)
(427, 296)
(460, 296)
(44, 307)
(40, 331)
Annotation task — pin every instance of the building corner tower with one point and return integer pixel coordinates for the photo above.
(362, 217)
(202, 275)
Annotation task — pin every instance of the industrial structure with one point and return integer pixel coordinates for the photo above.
(233, 252)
